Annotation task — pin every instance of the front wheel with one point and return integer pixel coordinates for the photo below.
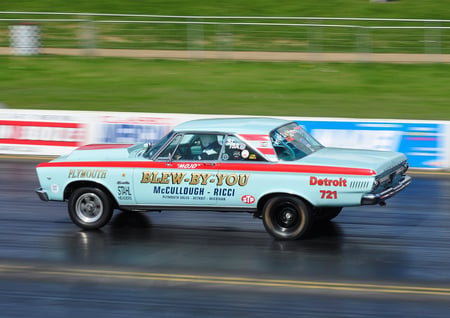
(286, 217)
(90, 208)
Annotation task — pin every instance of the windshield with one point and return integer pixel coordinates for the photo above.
(292, 142)
(152, 150)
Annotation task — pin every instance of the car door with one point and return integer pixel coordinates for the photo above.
(239, 174)
(184, 173)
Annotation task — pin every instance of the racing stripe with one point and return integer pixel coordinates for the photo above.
(266, 151)
(103, 146)
(256, 167)
(252, 137)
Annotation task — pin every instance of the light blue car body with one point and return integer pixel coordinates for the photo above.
(246, 173)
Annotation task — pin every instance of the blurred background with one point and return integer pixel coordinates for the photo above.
(370, 73)
(216, 51)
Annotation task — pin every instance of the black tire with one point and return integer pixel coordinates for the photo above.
(90, 208)
(287, 217)
(327, 214)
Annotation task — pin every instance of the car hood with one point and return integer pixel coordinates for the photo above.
(101, 152)
(379, 161)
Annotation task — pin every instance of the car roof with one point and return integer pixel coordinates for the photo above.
(239, 125)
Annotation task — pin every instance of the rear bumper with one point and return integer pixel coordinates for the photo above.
(375, 198)
(42, 194)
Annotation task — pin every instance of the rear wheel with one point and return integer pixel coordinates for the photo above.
(90, 208)
(287, 217)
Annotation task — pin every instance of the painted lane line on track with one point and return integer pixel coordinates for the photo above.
(224, 280)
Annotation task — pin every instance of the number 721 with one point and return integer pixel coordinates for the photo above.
(327, 194)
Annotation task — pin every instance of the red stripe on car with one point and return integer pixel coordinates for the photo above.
(262, 167)
(267, 151)
(103, 146)
(255, 137)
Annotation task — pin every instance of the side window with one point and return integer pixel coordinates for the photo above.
(164, 155)
(236, 149)
(195, 147)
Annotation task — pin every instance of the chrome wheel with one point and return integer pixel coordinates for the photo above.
(89, 207)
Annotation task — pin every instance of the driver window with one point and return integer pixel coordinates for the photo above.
(209, 146)
(194, 147)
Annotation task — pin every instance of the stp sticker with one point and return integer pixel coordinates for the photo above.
(248, 199)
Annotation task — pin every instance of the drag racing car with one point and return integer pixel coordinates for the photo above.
(271, 168)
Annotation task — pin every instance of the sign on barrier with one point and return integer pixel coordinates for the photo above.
(426, 143)
(422, 142)
(30, 133)
(134, 128)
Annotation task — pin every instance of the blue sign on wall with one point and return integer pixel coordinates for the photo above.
(133, 133)
(421, 142)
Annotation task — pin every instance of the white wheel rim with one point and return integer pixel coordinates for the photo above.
(89, 207)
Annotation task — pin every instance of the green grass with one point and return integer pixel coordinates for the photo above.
(296, 89)
(261, 88)
(430, 9)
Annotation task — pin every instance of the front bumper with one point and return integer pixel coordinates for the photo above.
(375, 198)
(42, 194)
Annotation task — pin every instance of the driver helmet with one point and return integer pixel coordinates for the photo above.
(207, 140)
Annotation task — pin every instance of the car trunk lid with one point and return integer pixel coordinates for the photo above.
(379, 161)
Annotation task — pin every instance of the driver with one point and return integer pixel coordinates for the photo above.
(210, 147)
